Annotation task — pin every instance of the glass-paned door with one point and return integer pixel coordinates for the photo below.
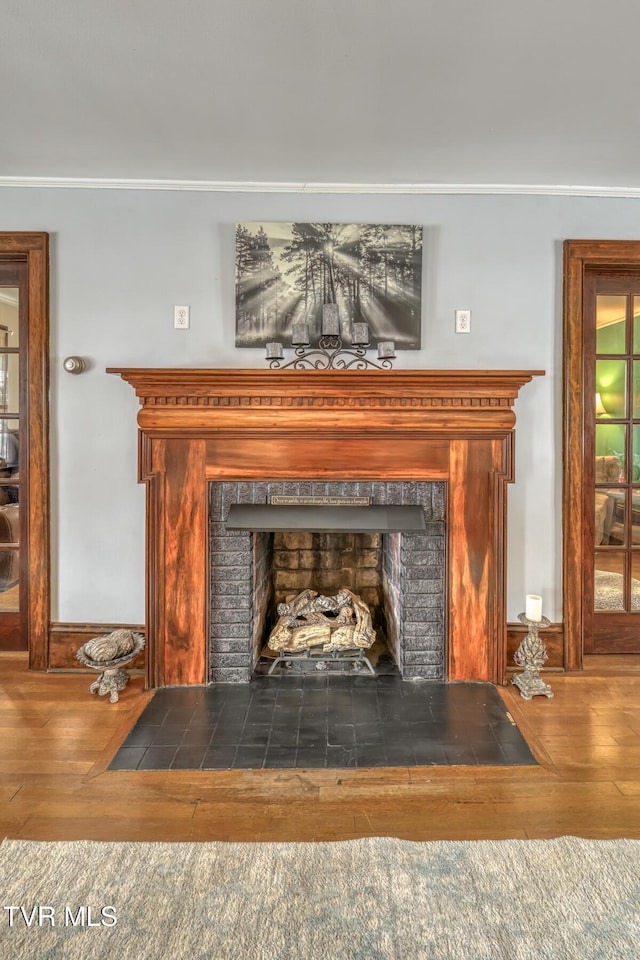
(612, 464)
(13, 312)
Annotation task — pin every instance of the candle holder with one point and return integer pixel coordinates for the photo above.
(531, 654)
(329, 353)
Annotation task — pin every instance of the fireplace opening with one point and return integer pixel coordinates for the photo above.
(398, 575)
(323, 595)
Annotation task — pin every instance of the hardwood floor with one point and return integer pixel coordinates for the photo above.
(57, 741)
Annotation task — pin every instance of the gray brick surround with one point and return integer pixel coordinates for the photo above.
(412, 572)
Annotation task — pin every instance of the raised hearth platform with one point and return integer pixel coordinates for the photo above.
(323, 722)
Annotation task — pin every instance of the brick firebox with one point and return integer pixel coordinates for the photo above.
(401, 576)
(199, 426)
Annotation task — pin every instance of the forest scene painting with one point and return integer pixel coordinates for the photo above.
(285, 272)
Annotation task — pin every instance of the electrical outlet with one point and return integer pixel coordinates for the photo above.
(463, 321)
(181, 318)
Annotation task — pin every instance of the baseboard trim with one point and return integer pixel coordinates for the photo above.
(552, 637)
(65, 639)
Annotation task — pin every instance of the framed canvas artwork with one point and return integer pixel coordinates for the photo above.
(286, 272)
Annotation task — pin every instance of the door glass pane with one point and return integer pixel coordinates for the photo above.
(611, 387)
(636, 389)
(610, 447)
(10, 382)
(635, 580)
(9, 326)
(608, 587)
(635, 516)
(9, 492)
(635, 454)
(611, 312)
(636, 324)
(609, 516)
(9, 444)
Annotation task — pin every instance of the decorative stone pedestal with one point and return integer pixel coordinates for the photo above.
(531, 654)
(112, 677)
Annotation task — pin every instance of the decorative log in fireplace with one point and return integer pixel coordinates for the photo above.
(198, 426)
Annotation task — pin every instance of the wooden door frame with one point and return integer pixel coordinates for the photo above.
(33, 248)
(579, 256)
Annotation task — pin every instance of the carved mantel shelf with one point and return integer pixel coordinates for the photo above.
(201, 425)
(411, 393)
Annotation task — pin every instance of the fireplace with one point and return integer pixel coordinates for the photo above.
(400, 575)
(203, 427)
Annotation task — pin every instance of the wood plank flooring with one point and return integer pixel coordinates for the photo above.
(57, 740)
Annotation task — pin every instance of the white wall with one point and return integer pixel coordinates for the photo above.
(121, 259)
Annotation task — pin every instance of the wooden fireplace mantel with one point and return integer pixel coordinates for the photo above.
(198, 425)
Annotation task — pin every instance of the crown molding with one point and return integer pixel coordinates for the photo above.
(249, 186)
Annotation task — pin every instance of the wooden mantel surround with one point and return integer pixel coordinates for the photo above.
(198, 426)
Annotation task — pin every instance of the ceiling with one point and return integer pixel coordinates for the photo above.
(495, 93)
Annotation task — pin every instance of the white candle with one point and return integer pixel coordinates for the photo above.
(533, 607)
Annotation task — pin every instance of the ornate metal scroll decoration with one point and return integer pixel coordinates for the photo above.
(330, 355)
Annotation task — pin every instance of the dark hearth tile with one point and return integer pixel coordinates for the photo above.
(157, 758)
(369, 733)
(517, 753)
(400, 754)
(280, 757)
(204, 718)
(187, 696)
(429, 753)
(431, 729)
(460, 754)
(259, 717)
(311, 756)
(488, 753)
(142, 735)
(395, 731)
(155, 713)
(238, 695)
(505, 732)
(371, 755)
(188, 757)
(249, 758)
(219, 758)
(226, 733)
(339, 757)
(168, 735)
(309, 733)
(286, 697)
(391, 713)
(179, 715)
(341, 734)
(233, 715)
(197, 736)
(255, 735)
(127, 758)
(285, 737)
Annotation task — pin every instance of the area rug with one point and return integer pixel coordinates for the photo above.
(369, 899)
